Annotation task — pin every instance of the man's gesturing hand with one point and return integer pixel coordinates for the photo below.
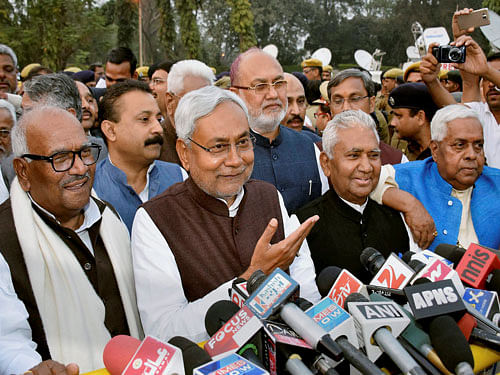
(267, 257)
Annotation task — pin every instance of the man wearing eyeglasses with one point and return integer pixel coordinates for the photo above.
(283, 157)
(354, 89)
(69, 253)
(192, 241)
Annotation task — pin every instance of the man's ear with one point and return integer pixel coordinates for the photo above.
(324, 161)
(72, 111)
(183, 152)
(421, 117)
(21, 167)
(135, 75)
(169, 104)
(434, 146)
(372, 103)
(108, 128)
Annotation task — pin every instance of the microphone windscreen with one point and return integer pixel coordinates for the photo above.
(117, 353)
(451, 252)
(255, 280)
(326, 279)
(371, 259)
(416, 265)
(449, 342)
(192, 355)
(218, 314)
(407, 256)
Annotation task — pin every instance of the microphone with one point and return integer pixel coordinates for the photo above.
(273, 297)
(434, 304)
(230, 364)
(436, 270)
(372, 318)
(475, 266)
(457, 357)
(238, 292)
(234, 334)
(451, 252)
(192, 354)
(340, 325)
(218, 315)
(417, 338)
(125, 355)
(337, 284)
(391, 273)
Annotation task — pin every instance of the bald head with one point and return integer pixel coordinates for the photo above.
(297, 104)
(266, 106)
(39, 122)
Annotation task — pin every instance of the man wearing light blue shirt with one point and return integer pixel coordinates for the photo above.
(131, 174)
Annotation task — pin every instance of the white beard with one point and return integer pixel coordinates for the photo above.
(262, 123)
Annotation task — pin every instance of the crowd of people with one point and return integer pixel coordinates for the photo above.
(133, 198)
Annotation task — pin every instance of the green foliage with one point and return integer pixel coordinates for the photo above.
(494, 5)
(242, 22)
(50, 31)
(167, 26)
(126, 20)
(190, 34)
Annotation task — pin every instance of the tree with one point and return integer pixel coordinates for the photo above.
(50, 31)
(242, 23)
(190, 34)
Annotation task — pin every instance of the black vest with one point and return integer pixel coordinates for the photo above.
(342, 233)
(97, 268)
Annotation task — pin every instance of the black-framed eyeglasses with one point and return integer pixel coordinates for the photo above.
(4, 133)
(222, 149)
(339, 102)
(63, 161)
(263, 88)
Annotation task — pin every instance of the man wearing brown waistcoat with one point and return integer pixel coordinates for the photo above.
(192, 241)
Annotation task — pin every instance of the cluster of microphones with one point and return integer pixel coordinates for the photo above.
(422, 313)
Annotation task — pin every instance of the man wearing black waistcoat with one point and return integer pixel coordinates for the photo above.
(349, 220)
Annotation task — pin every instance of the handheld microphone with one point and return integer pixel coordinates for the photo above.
(457, 357)
(218, 315)
(436, 270)
(475, 266)
(434, 304)
(391, 273)
(192, 354)
(150, 357)
(417, 338)
(340, 326)
(451, 252)
(273, 296)
(372, 318)
(238, 292)
(230, 364)
(337, 284)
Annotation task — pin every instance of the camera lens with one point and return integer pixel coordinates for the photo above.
(455, 54)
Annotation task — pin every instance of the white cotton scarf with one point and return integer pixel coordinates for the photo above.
(71, 311)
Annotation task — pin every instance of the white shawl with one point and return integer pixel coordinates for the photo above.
(71, 311)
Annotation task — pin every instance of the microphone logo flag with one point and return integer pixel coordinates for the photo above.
(393, 274)
(151, 358)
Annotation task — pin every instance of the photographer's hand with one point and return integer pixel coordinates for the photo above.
(475, 60)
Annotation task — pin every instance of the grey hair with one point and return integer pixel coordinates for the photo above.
(439, 123)
(199, 103)
(57, 90)
(6, 50)
(346, 120)
(4, 104)
(348, 73)
(18, 133)
(184, 68)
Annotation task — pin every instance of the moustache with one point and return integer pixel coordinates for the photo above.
(156, 139)
(295, 117)
(73, 178)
